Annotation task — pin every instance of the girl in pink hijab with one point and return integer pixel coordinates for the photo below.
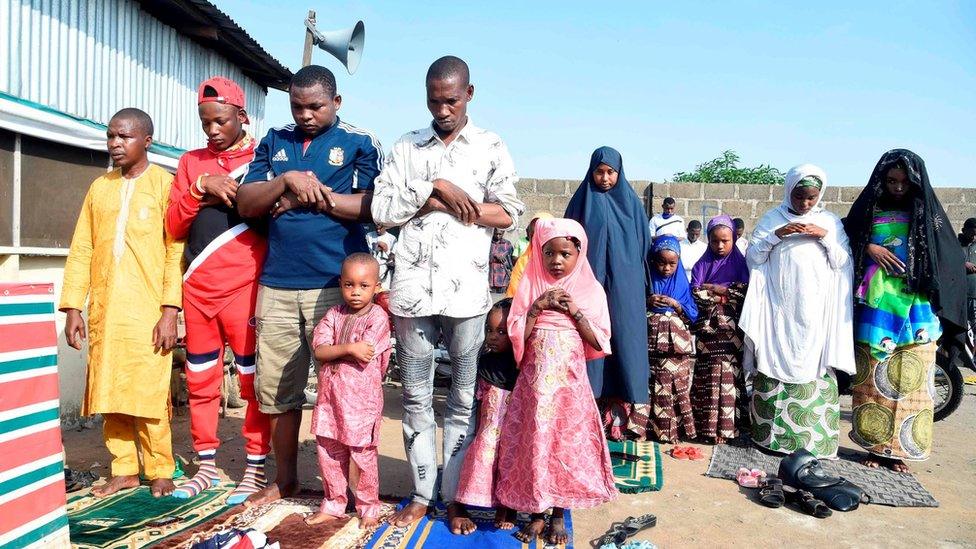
(552, 452)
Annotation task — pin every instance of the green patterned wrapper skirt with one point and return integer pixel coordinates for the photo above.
(790, 416)
(892, 401)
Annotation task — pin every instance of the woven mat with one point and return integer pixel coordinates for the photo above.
(284, 521)
(433, 532)
(123, 519)
(885, 486)
(633, 477)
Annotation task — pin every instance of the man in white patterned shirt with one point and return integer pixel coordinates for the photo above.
(449, 185)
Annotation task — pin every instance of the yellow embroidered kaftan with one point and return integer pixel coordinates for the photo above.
(129, 269)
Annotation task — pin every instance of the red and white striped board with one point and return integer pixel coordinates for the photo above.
(32, 492)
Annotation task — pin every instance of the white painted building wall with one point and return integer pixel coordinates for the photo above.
(92, 58)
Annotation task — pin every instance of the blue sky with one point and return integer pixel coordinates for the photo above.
(670, 85)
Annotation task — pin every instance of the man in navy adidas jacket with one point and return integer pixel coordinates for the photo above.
(314, 179)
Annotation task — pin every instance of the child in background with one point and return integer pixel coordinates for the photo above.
(671, 348)
(352, 342)
(497, 372)
(719, 281)
(552, 452)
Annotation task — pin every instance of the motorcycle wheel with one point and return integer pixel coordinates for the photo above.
(948, 390)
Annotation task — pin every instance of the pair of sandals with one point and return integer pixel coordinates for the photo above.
(78, 480)
(620, 531)
(774, 494)
(687, 452)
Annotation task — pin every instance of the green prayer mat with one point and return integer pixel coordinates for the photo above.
(123, 519)
(643, 475)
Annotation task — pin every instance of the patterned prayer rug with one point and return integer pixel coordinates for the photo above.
(126, 519)
(634, 476)
(885, 486)
(433, 532)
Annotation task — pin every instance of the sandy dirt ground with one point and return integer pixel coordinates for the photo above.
(692, 510)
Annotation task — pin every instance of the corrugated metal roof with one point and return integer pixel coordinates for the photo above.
(205, 24)
(90, 59)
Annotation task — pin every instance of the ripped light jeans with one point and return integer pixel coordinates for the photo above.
(415, 340)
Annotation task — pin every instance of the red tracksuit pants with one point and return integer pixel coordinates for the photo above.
(205, 339)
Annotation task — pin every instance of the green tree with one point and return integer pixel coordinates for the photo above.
(725, 169)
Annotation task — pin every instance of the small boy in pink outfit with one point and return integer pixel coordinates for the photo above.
(352, 342)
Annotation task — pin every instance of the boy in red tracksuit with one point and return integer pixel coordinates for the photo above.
(223, 259)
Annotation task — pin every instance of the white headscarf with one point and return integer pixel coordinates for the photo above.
(798, 312)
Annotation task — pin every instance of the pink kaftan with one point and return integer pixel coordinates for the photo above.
(350, 395)
(552, 451)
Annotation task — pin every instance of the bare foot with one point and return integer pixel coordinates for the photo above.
(162, 487)
(504, 518)
(871, 462)
(556, 532)
(533, 529)
(895, 465)
(115, 484)
(460, 520)
(273, 492)
(319, 518)
(368, 523)
(410, 514)
(719, 440)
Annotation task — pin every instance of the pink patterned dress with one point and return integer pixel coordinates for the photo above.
(552, 451)
(479, 472)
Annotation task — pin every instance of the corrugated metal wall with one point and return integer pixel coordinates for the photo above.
(92, 58)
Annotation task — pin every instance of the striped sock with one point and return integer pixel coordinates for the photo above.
(253, 480)
(206, 477)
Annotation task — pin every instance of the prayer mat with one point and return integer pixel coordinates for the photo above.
(634, 476)
(434, 532)
(124, 519)
(885, 486)
(284, 522)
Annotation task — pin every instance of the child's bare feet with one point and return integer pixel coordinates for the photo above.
(556, 532)
(410, 514)
(319, 518)
(272, 492)
(115, 484)
(504, 518)
(368, 523)
(162, 487)
(460, 520)
(533, 529)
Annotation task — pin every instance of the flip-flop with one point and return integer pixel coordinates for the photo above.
(629, 527)
(694, 453)
(680, 452)
(625, 456)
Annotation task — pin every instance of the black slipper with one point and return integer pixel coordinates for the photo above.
(625, 456)
(629, 527)
(771, 493)
(807, 502)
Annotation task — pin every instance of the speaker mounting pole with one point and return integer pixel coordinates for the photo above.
(309, 39)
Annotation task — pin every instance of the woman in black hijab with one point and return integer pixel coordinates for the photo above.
(908, 270)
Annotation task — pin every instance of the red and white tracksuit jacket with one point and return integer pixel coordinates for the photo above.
(223, 259)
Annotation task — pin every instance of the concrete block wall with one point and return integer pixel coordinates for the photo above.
(703, 200)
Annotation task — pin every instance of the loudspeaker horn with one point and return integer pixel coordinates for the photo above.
(346, 45)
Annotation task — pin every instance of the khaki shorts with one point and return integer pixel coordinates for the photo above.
(285, 322)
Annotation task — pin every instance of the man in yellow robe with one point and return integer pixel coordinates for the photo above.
(123, 262)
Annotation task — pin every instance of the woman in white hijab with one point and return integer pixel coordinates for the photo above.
(797, 319)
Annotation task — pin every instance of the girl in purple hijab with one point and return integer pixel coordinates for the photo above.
(723, 263)
(719, 281)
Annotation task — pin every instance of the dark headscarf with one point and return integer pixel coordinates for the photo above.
(619, 243)
(712, 269)
(935, 260)
(675, 286)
